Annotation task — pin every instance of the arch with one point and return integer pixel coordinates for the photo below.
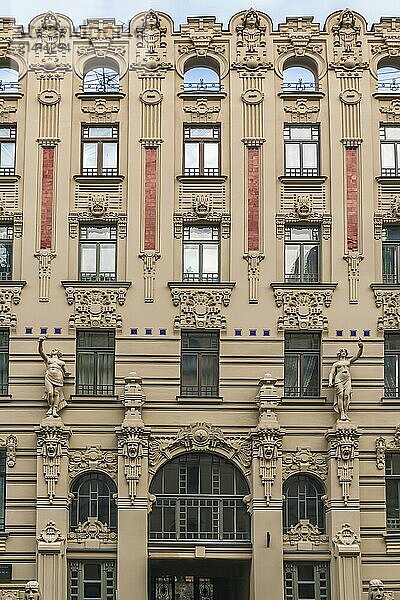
(9, 76)
(212, 60)
(93, 497)
(311, 61)
(303, 499)
(201, 75)
(300, 75)
(388, 75)
(101, 76)
(207, 491)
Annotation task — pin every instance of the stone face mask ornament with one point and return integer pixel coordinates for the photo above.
(375, 591)
(32, 591)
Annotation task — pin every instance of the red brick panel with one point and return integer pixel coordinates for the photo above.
(253, 198)
(46, 210)
(150, 198)
(352, 198)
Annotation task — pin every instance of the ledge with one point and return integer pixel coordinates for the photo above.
(199, 399)
(202, 178)
(384, 286)
(388, 180)
(201, 284)
(95, 284)
(386, 95)
(13, 283)
(301, 286)
(98, 179)
(93, 95)
(11, 96)
(392, 542)
(9, 178)
(314, 180)
(75, 398)
(202, 94)
(304, 399)
(298, 94)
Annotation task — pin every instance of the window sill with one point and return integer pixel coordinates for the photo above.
(11, 95)
(95, 284)
(385, 95)
(388, 180)
(313, 179)
(99, 179)
(395, 400)
(199, 399)
(202, 94)
(9, 178)
(384, 286)
(300, 286)
(286, 95)
(78, 398)
(5, 398)
(304, 399)
(202, 178)
(107, 95)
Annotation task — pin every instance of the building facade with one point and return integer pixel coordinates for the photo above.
(199, 308)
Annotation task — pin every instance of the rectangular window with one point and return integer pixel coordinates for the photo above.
(97, 253)
(2, 489)
(306, 581)
(6, 247)
(302, 364)
(301, 150)
(90, 580)
(4, 360)
(100, 150)
(201, 254)
(201, 152)
(392, 365)
(95, 357)
(302, 250)
(393, 491)
(391, 254)
(390, 150)
(7, 149)
(200, 363)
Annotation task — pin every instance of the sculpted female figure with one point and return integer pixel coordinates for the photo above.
(53, 379)
(340, 377)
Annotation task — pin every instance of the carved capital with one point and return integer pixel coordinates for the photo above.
(52, 445)
(149, 258)
(303, 309)
(253, 273)
(343, 448)
(353, 260)
(95, 306)
(200, 308)
(132, 446)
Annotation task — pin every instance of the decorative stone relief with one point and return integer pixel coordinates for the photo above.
(202, 208)
(387, 38)
(353, 259)
(45, 258)
(10, 445)
(51, 38)
(52, 445)
(74, 219)
(390, 215)
(151, 42)
(252, 96)
(8, 32)
(346, 536)
(303, 309)
(95, 307)
(202, 33)
(92, 529)
(11, 594)
(380, 447)
(376, 591)
(254, 259)
(11, 216)
(149, 258)
(392, 111)
(133, 399)
(132, 446)
(101, 34)
(6, 109)
(9, 296)
(304, 535)
(93, 458)
(347, 50)
(300, 32)
(389, 301)
(200, 308)
(304, 461)
(304, 212)
(202, 111)
(100, 110)
(50, 534)
(251, 45)
(267, 447)
(32, 590)
(199, 437)
(302, 112)
(343, 446)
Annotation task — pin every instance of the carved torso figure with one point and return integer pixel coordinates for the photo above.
(149, 34)
(341, 378)
(250, 32)
(53, 379)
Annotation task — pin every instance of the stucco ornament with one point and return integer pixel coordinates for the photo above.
(340, 378)
(343, 446)
(304, 461)
(304, 532)
(303, 309)
(93, 458)
(50, 534)
(151, 44)
(50, 35)
(132, 446)
(8, 297)
(250, 45)
(381, 445)
(389, 301)
(92, 529)
(200, 308)
(346, 536)
(52, 444)
(10, 445)
(53, 379)
(32, 591)
(346, 42)
(95, 307)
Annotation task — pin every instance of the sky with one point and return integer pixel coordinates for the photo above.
(124, 10)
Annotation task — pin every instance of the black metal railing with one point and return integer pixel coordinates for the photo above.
(88, 389)
(390, 172)
(200, 390)
(103, 172)
(202, 86)
(101, 88)
(196, 172)
(299, 86)
(390, 278)
(393, 524)
(5, 274)
(7, 170)
(300, 392)
(203, 277)
(391, 392)
(301, 278)
(301, 171)
(105, 276)
(388, 87)
(8, 87)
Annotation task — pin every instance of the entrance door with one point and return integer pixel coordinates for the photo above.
(189, 587)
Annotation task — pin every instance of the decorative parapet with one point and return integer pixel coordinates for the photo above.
(95, 305)
(93, 458)
(303, 305)
(304, 461)
(10, 445)
(10, 295)
(52, 445)
(304, 536)
(92, 530)
(201, 307)
(389, 301)
(343, 446)
(133, 446)
(199, 437)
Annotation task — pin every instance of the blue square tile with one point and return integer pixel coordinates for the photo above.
(238, 332)
(28, 329)
(57, 329)
(163, 332)
(252, 331)
(353, 332)
(134, 331)
(339, 332)
(367, 333)
(43, 330)
(148, 331)
(266, 332)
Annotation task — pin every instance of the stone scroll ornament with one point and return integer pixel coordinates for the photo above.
(53, 379)
(341, 379)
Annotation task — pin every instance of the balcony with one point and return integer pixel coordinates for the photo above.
(299, 87)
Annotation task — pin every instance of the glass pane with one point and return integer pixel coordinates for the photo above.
(201, 233)
(208, 370)
(171, 480)
(103, 132)
(300, 133)
(7, 154)
(92, 591)
(192, 154)
(392, 133)
(6, 132)
(191, 258)
(292, 261)
(98, 233)
(387, 155)
(105, 371)
(5, 257)
(227, 479)
(201, 132)
(107, 258)
(110, 155)
(210, 258)
(210, 156)
(389, 269)
(292, 380)
(88, 258)
(292, 156)
(6, 232)
(302, 233)
(310, 156)
(310, 375)
(205, 519)
(184, 588)
(303, 341)
(89, 155)
(92, 571)
(306, 591)
(311, 262)
(205, 475)
(85, 371)
(189, 370)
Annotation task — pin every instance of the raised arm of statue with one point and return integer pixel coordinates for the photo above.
(40, 348)
(358, 353)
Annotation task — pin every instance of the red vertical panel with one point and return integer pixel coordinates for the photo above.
(150, 197)
(352, 198)
(46, 211)
(253, 198)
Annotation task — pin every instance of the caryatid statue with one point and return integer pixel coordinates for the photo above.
(53, 379)
(340, 377)
(375, 590)
(32, 590)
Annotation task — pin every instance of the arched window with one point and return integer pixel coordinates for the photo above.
(199, 497)
(298, 78)
(101, 80)
(303, 500)
(388, 78)
(93, 499)
(200, 78)
(8, 77)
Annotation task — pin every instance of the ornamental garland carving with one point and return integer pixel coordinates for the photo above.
(10, 446)
(200, 308)
(100, 111)
(202, 111)
(381, 445)
(52, 445)
(199, 437)
(95, 307)
(303, 309)
(132, 446)
(251, 45)
(50, 534)
(92, 529)
(302, 112)
(9, 296)
(343, 446)
(389, 301)
(93, 458)
(304, 532)
(346, 536)
(267, 447)
(304, 461)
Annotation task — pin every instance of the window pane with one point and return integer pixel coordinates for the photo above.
(98, 233)
(7, 154)
(392, 133)
(310, 375)
(208, 370)
(192, 160)
(292, 380)
(311, 261)
(300, 133)
(387, 154)
(210, 156)
(389, 269)
(292, 156)
(189, 370)
(302, 233)
(6, 132)
(306, 591)
(191, 258)
(85, 371)
(201, 132)
(88, 258)
(107, 258)
(89, 156)
(210, 258)
(92, 591)
(103, 132)
(105, 372)
(110, 155)
(292, 260)
(310, 155)
(5, 257)
(201, 233)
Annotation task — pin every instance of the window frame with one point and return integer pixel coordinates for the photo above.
(315, 140)
(200, 390)
(91, 501)
(186, 241)
(98, 243)
(320, 580)
(108, 88)
(4, 352)
(201, 141)
(305, 504)
(3, 489)
(301, 354)
(99, 170)
(303, 276)
(95, 389)
(390, 171)
(393, 527)
(391, 391)
(77, 579)
(394, 258)
(12, 139)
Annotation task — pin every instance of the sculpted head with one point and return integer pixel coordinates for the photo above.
(32, 590)
(251, 19)
(151, 20)
(375, 591)
(347, 19)
(342, 354)
(56, 352)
